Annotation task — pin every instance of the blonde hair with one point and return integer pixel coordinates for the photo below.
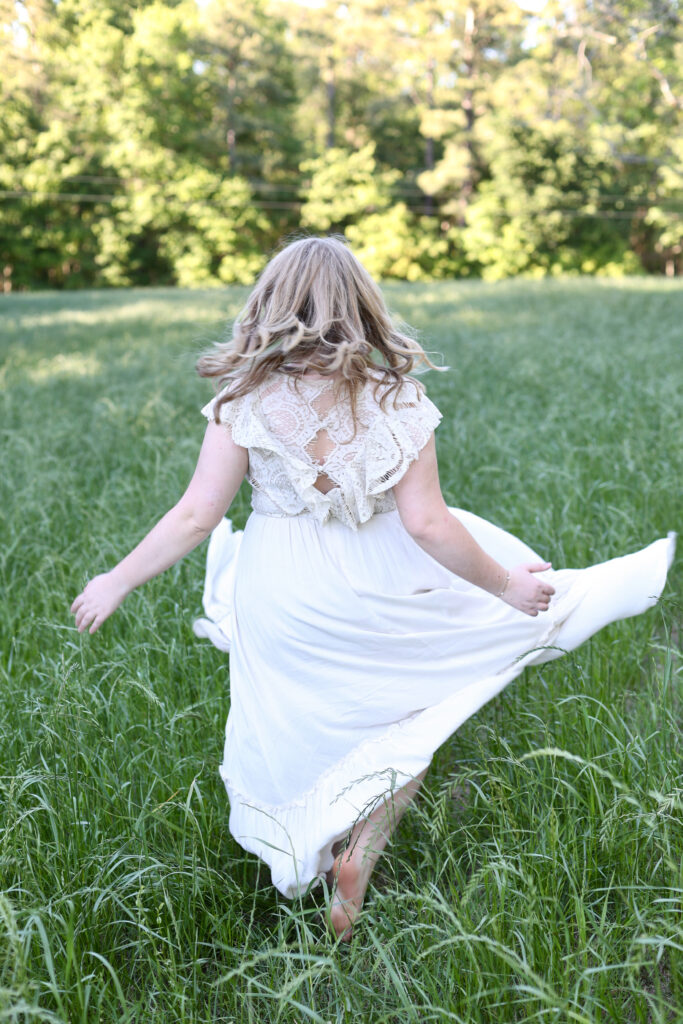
(314, 308)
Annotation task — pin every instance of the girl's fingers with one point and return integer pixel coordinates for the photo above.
(89, 617)
(82, 619)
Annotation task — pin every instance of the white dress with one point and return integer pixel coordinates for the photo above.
(353, 654)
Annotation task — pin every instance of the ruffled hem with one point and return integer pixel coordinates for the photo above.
(296, 839)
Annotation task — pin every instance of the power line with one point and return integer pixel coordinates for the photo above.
(64, 197)
(264, 204)
(394, 189)
(95, 197)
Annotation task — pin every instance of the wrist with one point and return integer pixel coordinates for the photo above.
(503, 589)
(118, 578)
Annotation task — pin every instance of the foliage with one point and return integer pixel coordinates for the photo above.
(343, 187)
(393, 243)
(526, 219)
(173, 142)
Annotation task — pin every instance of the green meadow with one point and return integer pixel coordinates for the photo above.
(539, 877)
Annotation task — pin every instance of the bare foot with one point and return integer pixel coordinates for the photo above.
(350, 874)
(350, 882)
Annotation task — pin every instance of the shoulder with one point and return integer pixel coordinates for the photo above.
(408, 396)
(232, 402)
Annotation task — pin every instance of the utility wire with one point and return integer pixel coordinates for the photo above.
(395, 189)
(264, 204)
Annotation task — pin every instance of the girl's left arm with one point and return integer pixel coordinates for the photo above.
(220, 470)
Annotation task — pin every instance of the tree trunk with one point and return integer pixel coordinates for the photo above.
(429, 141)
(331, 93)
(469, 63)
(231, 135)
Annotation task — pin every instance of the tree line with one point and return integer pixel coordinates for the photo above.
(163, 142)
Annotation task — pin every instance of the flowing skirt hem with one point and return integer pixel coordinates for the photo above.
(296, 839)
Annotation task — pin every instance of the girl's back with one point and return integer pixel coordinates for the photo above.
(314, 448)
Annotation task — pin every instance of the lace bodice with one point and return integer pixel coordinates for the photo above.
(305, 457)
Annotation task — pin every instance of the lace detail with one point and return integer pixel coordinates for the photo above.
(304, 455)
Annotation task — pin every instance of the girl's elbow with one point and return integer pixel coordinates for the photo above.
(424, 526)
(205, 520)
(201, 528)
(200, 521)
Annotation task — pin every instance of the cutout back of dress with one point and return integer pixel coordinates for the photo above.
(312, 420)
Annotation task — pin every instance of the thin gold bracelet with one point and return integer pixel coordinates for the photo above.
(505, 585)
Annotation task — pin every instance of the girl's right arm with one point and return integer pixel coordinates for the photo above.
(425, 515)
(220, 469)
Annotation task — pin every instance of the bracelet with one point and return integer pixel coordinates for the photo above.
(505, 585)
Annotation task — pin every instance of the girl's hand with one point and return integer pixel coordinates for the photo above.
(101, 597)
(525, 592)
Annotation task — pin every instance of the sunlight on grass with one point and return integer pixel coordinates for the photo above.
(73, 364)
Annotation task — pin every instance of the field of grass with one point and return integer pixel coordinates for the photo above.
(540, 875)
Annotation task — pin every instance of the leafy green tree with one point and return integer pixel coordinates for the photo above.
(349, 192)
(247, 73)
(344, 187)
(394, 243)
(171, 141)
(534, 213)
(54, 146)
(20, 87)
(572, 169)
(182, 216)
(477, 39)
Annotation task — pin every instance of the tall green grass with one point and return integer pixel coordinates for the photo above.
(540, 875)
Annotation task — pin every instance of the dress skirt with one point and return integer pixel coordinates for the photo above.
(354, 655)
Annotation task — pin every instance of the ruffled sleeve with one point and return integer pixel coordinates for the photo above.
(233, 414)
(396, 439)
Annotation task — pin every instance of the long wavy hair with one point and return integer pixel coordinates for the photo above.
(315, 309)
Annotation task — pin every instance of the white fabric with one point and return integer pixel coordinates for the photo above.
(353, 654)
(280, 421)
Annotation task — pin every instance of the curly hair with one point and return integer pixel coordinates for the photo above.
(315, 309)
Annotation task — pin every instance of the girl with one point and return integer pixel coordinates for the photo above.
(365, 619)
